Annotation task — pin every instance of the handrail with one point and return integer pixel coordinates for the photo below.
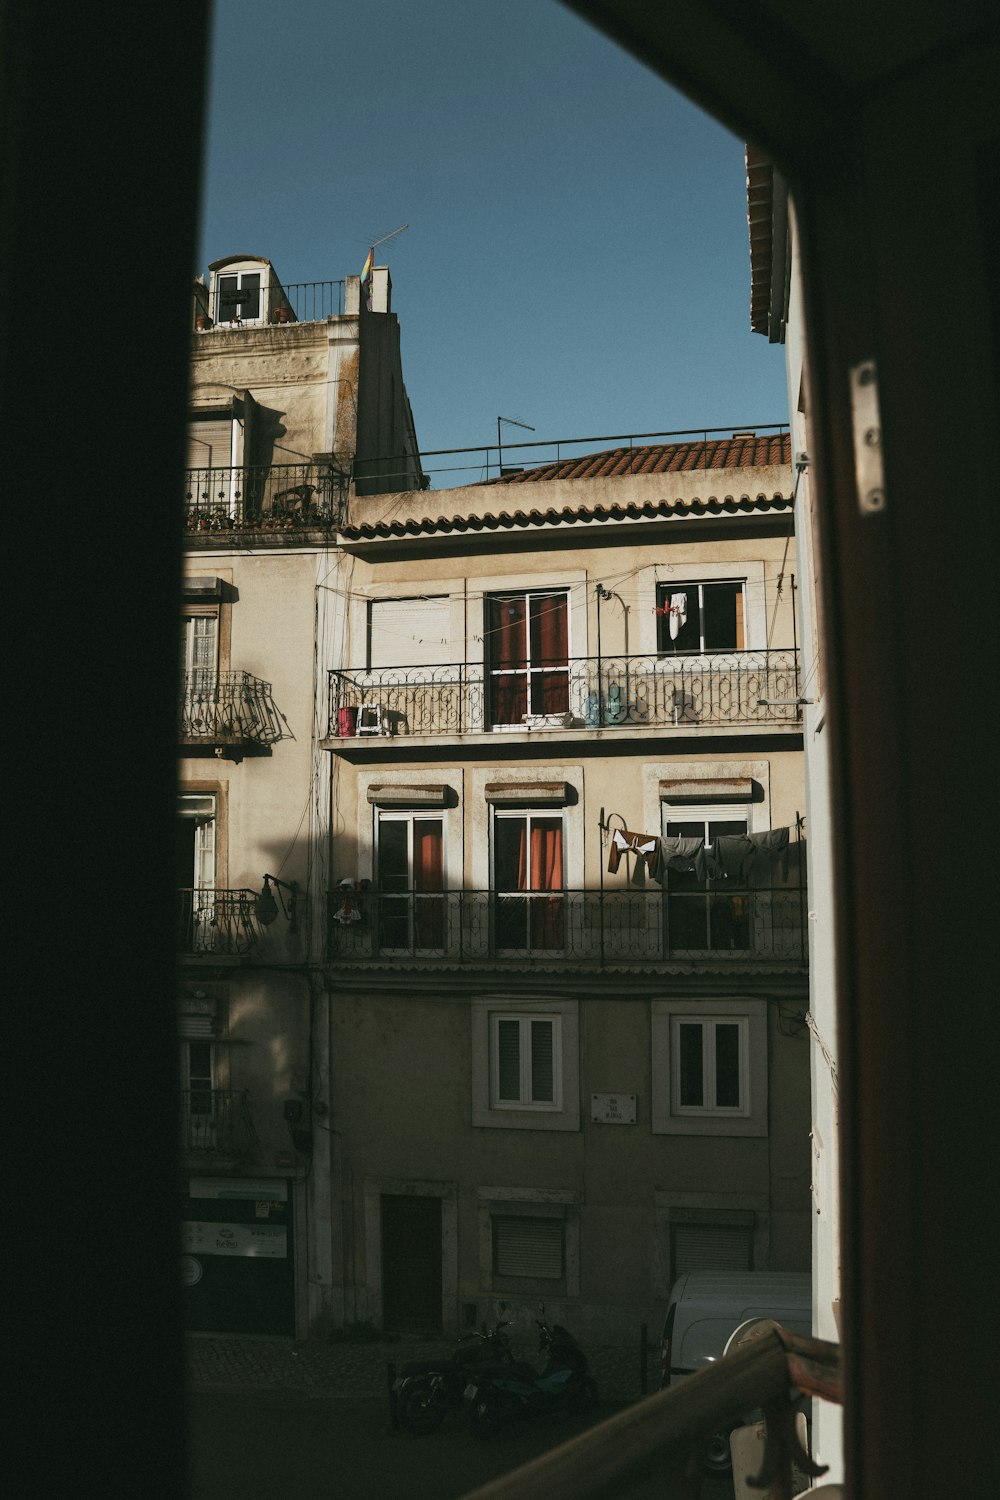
(631, 1444)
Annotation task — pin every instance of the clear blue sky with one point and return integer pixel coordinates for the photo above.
(577, 255)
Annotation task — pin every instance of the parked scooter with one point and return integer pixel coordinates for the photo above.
(424, 1392)
(500, 1393)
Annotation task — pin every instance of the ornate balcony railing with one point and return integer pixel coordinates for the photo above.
(585, 928)
(272, 497)
(228, 708)
(717, 690)
(217, 1122)
(216, 923)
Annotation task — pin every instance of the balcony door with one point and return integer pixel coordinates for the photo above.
(198, 1095)
(704, 916)
(196, 855)
(529, 881)
(411, 882)
(527, 651)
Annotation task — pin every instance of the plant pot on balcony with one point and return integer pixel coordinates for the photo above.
(347, 722)
(202, 322)
(280, 315)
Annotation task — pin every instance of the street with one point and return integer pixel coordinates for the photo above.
(272, 1445)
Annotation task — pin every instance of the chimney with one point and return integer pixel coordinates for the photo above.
(381, 289)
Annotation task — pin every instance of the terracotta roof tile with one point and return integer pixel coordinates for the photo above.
(750, 452)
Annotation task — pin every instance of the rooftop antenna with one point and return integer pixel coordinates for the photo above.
(369, 265)
(514, 423)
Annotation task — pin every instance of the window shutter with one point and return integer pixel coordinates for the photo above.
(528, 1247)
(542, 1062)
(712, 1247)
(509, 1059)
(409, 632)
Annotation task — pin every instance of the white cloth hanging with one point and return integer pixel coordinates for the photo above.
(678, 614)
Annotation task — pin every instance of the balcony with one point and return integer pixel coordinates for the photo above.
(263, 498)
(214, 923)
(231, 711)
(217, 1123)
(753, 689)
(581, 929)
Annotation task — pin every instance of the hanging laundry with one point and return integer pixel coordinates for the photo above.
(678, 614)
(734, 854)
(775, 843)
(685, 855)
(645, 845)
(348, 911)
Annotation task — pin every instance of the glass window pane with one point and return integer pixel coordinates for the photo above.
(509, 1059)
(690, 1043)
(727, 1065)
(250, 292)
(393, 860)
(541, 1061)
(721, 603)
(510, 862)
(428, 844)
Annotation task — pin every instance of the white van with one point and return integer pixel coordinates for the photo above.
(707, 1307)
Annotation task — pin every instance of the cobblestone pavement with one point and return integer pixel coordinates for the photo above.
(315, 1368)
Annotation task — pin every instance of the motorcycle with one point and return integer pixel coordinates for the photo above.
(424, 1392)
(500, 1393)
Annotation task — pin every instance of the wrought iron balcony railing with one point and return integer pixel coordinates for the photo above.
(217, 1122)
(271, 497)
(585, 928)
(635, 692)
(227, 708)
(216, 923)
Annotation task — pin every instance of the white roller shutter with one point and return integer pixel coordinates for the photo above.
(410, 633)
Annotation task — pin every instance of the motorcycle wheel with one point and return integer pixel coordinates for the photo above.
(489, 1413)
(422, 1410)
(584, 1399)
(718, 1459)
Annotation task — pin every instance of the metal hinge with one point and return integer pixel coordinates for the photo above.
(867, 428)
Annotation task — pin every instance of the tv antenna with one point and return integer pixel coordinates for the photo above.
(375, 243)
(514, 423)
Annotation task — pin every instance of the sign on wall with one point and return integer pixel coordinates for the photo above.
(613, 1109)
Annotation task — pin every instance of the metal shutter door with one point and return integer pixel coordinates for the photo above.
(528, 1247)
(712, 1247)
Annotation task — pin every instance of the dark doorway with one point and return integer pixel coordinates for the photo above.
(411, 1262)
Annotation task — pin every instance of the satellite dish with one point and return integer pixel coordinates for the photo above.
(749, 1332)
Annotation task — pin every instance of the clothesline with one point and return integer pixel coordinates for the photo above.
(731, 857)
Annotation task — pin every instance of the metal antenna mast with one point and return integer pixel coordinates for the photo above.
(514, 423)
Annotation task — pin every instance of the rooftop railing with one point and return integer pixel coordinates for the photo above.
(217, 1122)
(271, 497)
(581, 928)
(718, 690)
(227, 708)
(213, 922)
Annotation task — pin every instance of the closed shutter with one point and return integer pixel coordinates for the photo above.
(410, 632)
(712, 1247)
(210, 444)
(542, 1078)
(509, 1059)
(528, 1247)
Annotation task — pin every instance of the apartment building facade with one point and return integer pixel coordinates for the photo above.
(292, 388)
(566, 927)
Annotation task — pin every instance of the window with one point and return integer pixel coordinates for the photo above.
(709, 1067)
(200, 651)
(238, 297)
(532, 1247)
(528, 869)
(527, 652)
(702, 916)
(695, 618)
(709, 1064)
(525, 1062)
(195, 874)
(411, 882)
(197, 1094)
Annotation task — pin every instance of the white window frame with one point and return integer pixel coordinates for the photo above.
(525, 1020)
(709, 1065)
(529, 672)
(669, 1116)
(686, 585)
(563, 1112)
(237, 272)
(749, 572)
(410, 817)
